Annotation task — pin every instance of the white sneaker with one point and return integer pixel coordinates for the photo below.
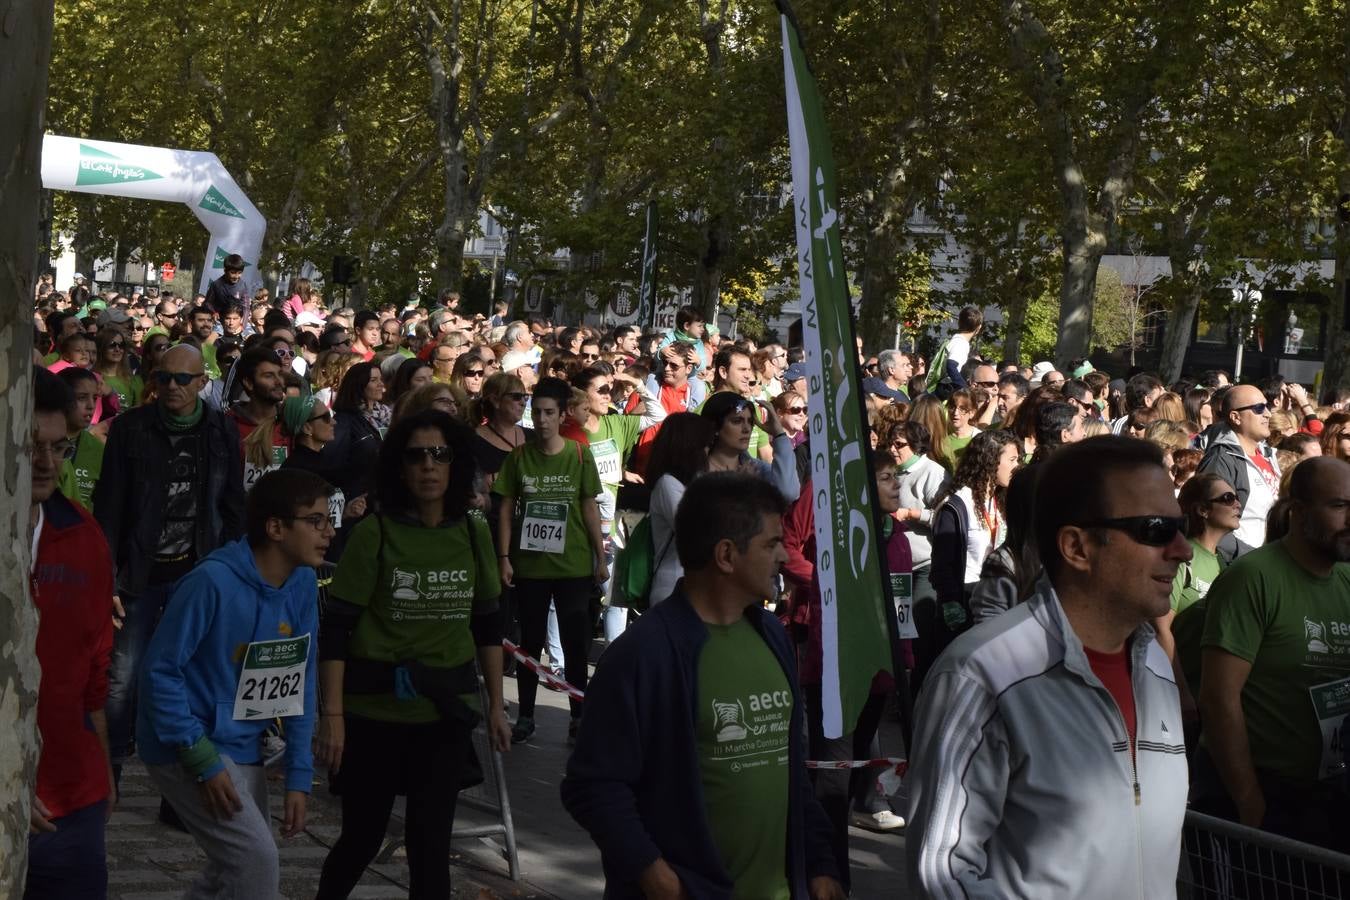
(273, 747)
(878, 821)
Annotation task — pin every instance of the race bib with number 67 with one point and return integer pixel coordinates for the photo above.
(902, 591)
(272, 680)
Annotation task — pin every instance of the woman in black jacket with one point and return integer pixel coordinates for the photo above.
(350, 459)
(970, 523)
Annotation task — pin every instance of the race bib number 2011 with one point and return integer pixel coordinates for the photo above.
(272, 680)
(543, 528)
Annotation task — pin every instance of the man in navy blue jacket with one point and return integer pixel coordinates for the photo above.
(689, 767)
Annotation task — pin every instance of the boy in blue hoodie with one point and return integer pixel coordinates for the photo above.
(237, 648)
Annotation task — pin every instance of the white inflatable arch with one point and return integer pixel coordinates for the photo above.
(192, 177)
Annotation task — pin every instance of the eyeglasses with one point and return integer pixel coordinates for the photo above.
(899, 445)
(1228, 498)
(284, 353)
(60, 450)
(158, 348)
(603, 389)
(474, 373)
(1155, 531)
(670, 364)
(139, 328)
(590, 356)
(446, 403)
(444, 360)
(318, 521)
(1256, 409)
(518, 396)
(167, 316)
(117, 345)
(182, 379)
(796, 409)
(414, 456)
(987, 384)
(325, 416)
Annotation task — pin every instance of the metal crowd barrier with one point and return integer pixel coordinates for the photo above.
(1223, 860)
(490, 797)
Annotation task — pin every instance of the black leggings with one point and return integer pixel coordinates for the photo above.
(380, 761)
(572, 599)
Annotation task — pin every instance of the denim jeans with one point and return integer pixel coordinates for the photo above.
(70, 861)
(129, 644)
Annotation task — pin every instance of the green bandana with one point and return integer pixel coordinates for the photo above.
(295, 413)
(179, 424)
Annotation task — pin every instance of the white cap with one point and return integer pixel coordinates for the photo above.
(1040, 370)
(308, 318)
(79, 276)
(515, 359)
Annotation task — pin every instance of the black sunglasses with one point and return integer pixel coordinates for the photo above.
(1228, 498)
(604, 389)
(117, 345)
(414, 456)
(796, 409)
(1257, 409)
(325, 416)
(474, 373)
(182, 379)
(1156, 531)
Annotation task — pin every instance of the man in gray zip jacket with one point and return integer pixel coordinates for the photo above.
(1048, 757)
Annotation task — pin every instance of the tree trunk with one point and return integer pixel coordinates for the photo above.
(1177, 332)
(1083, 248)
(1016, 324)
(708, 274)
(876, 309)
(1338, 353)
(25, 51)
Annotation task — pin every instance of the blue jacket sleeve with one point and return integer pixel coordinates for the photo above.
(603, 772)
(186, 622)
(300, 730)
(954, 373)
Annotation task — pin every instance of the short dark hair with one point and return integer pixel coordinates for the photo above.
(970, 319)
(1210, 378)
(1138, 388)
(200, 311)
(915, 434)
(582, 378)
(1071, 487)
(624, 331)
(1193, 495)
(279, 495)
(1019, 384)
(73, 375)
(363, 317)
(233, 263)
(1077, 389)
(686, 316)
(554, 389)
(248, 363)
(50, 393)
(391, 492)
(1051, 420)
(722, 506)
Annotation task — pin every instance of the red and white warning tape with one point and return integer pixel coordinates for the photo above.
(896, 766)
(544, 672)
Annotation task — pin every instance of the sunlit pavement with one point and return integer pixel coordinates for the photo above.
(150, 861)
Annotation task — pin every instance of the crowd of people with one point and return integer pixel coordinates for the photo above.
(275, 532)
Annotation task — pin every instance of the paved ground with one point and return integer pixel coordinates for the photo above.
(149, 861)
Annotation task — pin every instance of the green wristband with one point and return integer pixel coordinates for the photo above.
(199, 757)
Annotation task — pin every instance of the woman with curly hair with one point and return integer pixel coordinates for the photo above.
(970, 522)
(328, 371)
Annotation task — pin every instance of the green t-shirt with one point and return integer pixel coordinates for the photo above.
(1294, 628)
(128, 390)
(1189, 590)
(80, 473)
(744, 717)
(610, 445)
(417, 592)
(549, 538)
(955, 447)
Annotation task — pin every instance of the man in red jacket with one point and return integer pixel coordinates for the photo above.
(72, 589)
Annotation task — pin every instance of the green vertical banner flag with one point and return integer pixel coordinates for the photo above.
(853, 597)
(646, 314)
